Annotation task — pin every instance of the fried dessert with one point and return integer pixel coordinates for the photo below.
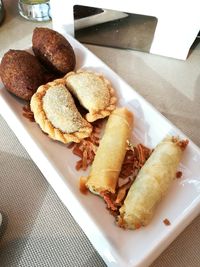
(53, 50)
(21, 73)
(54, 110)
(94, 93)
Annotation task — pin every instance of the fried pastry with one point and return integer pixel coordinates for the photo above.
(108, 160)
(54, 110)
(94, 93)
(152, 183)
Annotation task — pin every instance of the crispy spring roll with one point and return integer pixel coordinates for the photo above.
(152, 183)
(108, 160)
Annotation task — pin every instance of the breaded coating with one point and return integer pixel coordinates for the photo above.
(21, 73)
(53, 50)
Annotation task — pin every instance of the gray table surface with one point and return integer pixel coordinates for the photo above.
(39, 230)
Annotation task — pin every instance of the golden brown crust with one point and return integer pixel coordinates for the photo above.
(110, 154)
(151, 184)
(93, 91)
(41, 117)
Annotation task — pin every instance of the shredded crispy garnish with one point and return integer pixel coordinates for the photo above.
(137, 226)
(120, 222)
(87, 148)
(27, 113)
(178, 174)
(134, 159)
(122, 193)
(166, 222)
(181, 143)
(109, 201)
(82, 184)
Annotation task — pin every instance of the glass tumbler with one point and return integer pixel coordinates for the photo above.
(2, 12)
(35, 10)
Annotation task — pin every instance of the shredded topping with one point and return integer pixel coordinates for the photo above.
(135, 158)
(181, 143)
(87, 148)
(166, 222)
(82, 185)
(27, 113)
(178, 174)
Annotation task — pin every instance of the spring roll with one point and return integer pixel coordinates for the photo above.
(152, 183)
(108, 160)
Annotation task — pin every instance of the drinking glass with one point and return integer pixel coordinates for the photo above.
(36, 10)
(2, 12)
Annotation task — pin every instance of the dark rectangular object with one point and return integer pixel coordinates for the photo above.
(114, 28)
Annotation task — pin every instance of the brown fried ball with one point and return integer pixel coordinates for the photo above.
(21, 73)
(53, 50)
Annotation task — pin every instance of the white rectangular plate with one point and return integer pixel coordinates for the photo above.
(116, 246)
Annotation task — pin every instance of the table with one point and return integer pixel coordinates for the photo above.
(38, 229)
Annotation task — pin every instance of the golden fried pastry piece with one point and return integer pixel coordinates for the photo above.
(54, 110)
(108, 160)
(152, 183)
(94, 93)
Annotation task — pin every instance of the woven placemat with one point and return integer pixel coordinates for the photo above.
(38, 229)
